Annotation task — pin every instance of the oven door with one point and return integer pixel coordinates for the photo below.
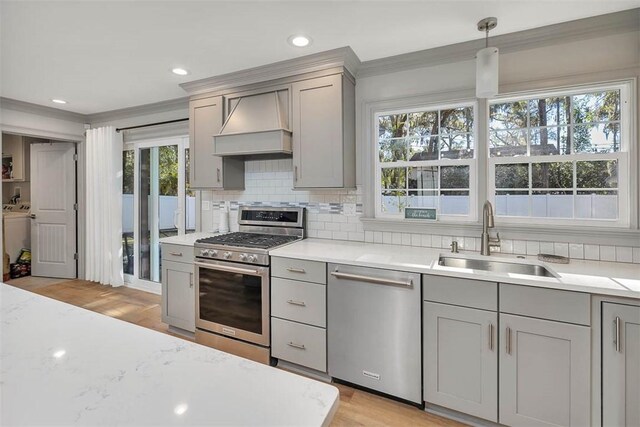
(233, 299)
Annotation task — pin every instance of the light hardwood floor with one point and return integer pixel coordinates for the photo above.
(357, 407)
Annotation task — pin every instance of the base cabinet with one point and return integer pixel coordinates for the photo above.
(544, 373)
(620, 365)
(461, 359)
(178, 295)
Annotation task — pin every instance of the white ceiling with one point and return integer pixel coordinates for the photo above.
(106, 55)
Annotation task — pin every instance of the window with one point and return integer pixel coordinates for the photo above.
(426, 158)
(561, 157)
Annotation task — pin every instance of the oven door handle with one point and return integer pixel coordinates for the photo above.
(226, 268)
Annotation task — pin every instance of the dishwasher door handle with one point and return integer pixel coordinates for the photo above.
(369, 279)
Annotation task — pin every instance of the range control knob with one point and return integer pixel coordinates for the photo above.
(204, 252)
(252, 258)
(227, 255)
(243, 257)
(213, 253)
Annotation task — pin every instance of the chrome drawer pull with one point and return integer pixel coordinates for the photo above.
(370, 279)
(296, 270)
(294, 345)
(491, 336)
(175, 253)
(508, 340)
(618, 344)
(300, 303)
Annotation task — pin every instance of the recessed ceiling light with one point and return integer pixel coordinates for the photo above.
(58, 354)
(299, 41)
(59, 101)
(180, 71)
(180, 409)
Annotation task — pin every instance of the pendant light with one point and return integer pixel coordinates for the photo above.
(487, 63)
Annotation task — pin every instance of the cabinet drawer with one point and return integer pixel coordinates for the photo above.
(178, 253)
(300, 301)
(551, 304)
(297, 269)
(300, 344)
(463, 292)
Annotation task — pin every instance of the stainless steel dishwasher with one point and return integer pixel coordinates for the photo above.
(373, 329)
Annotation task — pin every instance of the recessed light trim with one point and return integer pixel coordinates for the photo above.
(180, 71)
(59, 101)
(299, 40)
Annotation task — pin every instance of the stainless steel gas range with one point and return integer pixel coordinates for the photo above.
(232, 279)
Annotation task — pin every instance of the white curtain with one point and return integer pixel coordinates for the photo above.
(104, 206)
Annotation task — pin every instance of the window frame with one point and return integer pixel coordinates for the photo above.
(622, 156)
(471, 162)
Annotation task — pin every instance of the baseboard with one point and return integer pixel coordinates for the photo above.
(458, 416)
(305, 372)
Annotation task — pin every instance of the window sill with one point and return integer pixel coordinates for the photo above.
(550, 233)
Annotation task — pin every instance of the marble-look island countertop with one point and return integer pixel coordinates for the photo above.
(187, 239)
(63, 365)
(596, 277)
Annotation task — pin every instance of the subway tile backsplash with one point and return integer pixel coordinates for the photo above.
(269, 183)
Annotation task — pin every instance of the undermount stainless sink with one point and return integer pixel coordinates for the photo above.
(495, 266)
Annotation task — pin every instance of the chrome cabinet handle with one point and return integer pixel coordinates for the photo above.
(175, 253)
(191, 280)
(295, 174)
(618, 322)
(218, 174)
(32, 216)
(294, 345)
(294, 302)
(370, 279)
(296, 270)
(508, 340)
(491, 336)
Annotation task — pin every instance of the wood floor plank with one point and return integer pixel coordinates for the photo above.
(357, 407)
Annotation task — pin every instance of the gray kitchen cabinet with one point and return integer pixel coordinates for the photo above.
(323, 126)
(299, 312)
(207, 170)
(461, 359)
(620, 365)
(544, 372)
(178, 292)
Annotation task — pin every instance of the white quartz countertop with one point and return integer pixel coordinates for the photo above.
(187, 239)
(604, 278)
(63, 365)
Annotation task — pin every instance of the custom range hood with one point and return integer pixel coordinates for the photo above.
(256, 125)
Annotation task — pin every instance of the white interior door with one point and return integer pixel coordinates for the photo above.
(53, 223)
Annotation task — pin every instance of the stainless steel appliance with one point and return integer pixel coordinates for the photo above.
(373, 330)
(232, 279)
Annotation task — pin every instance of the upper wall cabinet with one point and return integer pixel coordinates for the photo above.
(207, 170)
(323, 126)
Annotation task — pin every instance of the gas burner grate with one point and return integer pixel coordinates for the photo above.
(249, 240)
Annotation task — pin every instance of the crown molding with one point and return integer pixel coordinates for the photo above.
(41, 110)
(597, 26)
(139, 110)
(341, 57)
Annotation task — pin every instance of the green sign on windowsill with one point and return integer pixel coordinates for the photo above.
(421, 213)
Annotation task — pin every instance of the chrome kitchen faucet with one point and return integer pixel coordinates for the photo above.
(487, 223)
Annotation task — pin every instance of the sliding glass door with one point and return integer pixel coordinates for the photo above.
(157, 203)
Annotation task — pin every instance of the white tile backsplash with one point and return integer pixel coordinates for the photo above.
(592, 252)
(268, 182)
(624, 254)
(576, 251)
(607, 253)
